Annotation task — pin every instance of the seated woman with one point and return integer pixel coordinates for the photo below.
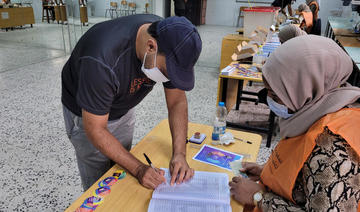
(314, 7)
(306, 18)
(290, 31)
(316, 166)
(5, 3)
(282, 4)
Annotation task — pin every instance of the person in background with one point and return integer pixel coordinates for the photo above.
(314, 7)
(180, 7)
(5, 3)
(316, 166)
(306, 18)
(290, 31)
(282, 4)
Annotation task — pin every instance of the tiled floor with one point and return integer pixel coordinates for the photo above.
(39, 171)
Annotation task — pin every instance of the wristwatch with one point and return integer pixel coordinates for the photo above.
(258, 196)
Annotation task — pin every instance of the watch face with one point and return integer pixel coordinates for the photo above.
(257, 196)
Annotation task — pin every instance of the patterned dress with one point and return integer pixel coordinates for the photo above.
(328, 181)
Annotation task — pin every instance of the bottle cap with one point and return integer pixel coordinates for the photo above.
(221, 104)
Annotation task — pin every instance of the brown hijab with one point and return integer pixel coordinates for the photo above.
(308, 74)
(290, 31)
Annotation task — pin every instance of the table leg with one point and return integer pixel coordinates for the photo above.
(239, 94)
(47, 16)
(327, 29)
(224, 90)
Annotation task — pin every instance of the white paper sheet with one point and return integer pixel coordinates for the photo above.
(206, 191)
(161, 205)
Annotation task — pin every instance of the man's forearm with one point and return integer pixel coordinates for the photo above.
(178, 121)
(104, 141)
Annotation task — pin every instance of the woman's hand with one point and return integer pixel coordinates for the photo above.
(243, 190)
(252, 170)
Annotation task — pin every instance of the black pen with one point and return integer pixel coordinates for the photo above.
(149, 161)
(249, 142)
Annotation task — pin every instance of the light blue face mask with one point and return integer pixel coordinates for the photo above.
(279, 109)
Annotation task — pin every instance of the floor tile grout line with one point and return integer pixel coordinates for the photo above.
(23, 45)
(19, 68)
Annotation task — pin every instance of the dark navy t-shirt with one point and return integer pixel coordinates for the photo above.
(103, 74)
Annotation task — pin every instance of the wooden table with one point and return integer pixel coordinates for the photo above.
(230, 91)
(240, 30)
(337, 26)
(228, 46)
(345, 32)
(83, 15)
(354, 53)
(351, 46)
(348, 41)
(229, 85)
(128, 195)
(19, 16)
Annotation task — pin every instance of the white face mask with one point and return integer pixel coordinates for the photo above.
(154, 73)
(279, 109)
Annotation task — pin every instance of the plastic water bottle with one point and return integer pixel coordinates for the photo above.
(219, 122)
(258, 58)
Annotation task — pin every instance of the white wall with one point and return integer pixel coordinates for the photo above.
(325, 7)
(225, 12)
(159, 7)
(36, 5)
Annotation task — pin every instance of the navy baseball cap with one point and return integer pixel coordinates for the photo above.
(179, 39)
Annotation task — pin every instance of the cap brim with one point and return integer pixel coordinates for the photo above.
(181, 78)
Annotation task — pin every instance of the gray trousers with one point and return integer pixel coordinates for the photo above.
(91, 162)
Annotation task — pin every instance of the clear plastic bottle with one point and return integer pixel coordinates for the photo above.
(258, 58)
(220, 121)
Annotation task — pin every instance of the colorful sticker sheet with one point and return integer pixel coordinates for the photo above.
(250, 72)
(217, 157)
(91, 203)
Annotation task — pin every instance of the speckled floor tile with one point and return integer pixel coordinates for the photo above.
(13, 55)
(39, 170)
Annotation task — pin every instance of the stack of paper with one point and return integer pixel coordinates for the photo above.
(205, 192)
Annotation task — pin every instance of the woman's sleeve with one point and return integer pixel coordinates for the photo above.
(332, 175)
(329, 179)
(273, 202)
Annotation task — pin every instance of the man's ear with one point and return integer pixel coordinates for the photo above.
(151, 46)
